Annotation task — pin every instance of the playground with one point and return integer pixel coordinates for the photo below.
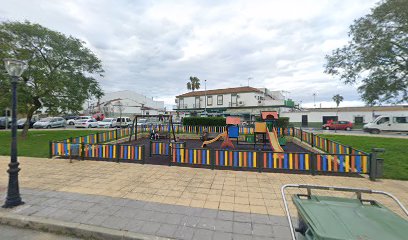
(262, 147)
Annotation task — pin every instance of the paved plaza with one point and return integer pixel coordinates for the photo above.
(173, 202)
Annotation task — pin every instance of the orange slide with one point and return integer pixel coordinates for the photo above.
(273, 139)
(222, 135)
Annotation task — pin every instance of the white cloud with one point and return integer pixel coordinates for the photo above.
(152, 47)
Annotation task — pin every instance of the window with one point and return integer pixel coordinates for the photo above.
(219, 100)
(401, 119)
(383, 120)
(359, 120)
(209, 101)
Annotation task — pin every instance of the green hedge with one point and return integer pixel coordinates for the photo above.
(283, 122)
(204, 121)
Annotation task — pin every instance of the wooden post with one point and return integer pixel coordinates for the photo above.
(50, 149)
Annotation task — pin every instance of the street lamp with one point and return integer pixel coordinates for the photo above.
(14, 68)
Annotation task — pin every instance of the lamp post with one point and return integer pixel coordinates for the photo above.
(205, 98)
(14, 68)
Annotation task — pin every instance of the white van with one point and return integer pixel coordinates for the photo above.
(123, 122)
(387, 123)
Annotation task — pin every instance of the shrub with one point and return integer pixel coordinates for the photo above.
(204, 121)
(283, 122)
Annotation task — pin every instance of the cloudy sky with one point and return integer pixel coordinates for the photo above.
(152, 47)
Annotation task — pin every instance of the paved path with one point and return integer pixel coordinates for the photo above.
(158, 219)
(13, 233)
(178, 202)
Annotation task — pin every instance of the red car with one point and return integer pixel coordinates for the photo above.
(340, 125)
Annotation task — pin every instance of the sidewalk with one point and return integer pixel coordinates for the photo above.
(155, 219)
(174, 202)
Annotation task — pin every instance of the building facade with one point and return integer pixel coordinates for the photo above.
(125, 103)
(356, 115)
(243, 101)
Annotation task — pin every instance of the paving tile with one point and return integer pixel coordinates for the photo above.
(223, 225)
(242, 228)
(98, 219)
(209, 213)
(184, 233)
(237, 236)
(225, 215)
(242, 217)
(203, 234)
(167, 230)
(115, 222)
(134, 225)
(281, 232)
(222, 236)
(149, 228)
(207, 223)
(264, 230)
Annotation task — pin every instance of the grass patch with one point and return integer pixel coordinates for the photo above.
(395, 155)
(36, 143)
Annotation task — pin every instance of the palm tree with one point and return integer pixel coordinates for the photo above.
(194, 83)
(337, 99)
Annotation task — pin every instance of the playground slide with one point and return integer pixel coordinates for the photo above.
(273, 139)
(222, 135)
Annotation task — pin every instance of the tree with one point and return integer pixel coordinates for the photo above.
(376, 57)
(338, 99)
(193, 84)
(61, 70)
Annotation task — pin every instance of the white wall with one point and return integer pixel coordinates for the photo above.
(368, 116)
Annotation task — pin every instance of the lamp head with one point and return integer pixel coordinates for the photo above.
(15, 67)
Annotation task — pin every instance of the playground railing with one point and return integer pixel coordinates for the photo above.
(306, 162)
(163, 147)
(113, 152)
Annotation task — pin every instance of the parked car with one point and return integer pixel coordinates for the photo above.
(338, 125)
(141, 122)
(82, 118)
(123, 122)
(107, 123)
(71, 119)
(21, 122)
(387, 123)
(5, 122)
(50, 122)
(86, 123)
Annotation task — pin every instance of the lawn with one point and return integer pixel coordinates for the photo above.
(395, 156)
(36, 143)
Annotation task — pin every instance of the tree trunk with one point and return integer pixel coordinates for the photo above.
(30, 113)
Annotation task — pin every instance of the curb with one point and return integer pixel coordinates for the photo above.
(73, 229)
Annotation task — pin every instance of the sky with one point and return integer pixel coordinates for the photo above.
(153, 47)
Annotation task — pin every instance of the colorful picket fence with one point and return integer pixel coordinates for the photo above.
(342, 163)
(192, 156)
(286, 161)
(99, 151)
(163, 147)
(236, 158)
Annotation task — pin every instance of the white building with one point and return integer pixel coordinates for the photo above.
(358, 115)
(126, 102)
(244, 101)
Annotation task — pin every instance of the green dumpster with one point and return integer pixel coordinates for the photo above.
(335, 218)
(249, 138)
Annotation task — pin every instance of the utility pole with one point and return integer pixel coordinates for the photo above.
(314, 100)
(250, 78)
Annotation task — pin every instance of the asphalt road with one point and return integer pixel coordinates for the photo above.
(13, 233)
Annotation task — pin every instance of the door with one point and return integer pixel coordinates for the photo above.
(197, 102)
(234, 100)
(384, 124)
(304, 121)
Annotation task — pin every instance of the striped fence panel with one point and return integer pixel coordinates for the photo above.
(342, 163)
(107, 136)
(286, 161)
(235, 158)
(193, 156)
(65, 149)
(164, 148)
(131, 152)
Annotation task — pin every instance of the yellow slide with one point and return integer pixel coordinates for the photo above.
(222, 135)
(273, 139)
